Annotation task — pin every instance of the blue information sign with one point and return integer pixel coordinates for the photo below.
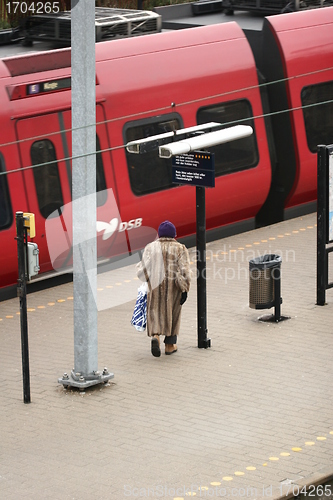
(195, 168)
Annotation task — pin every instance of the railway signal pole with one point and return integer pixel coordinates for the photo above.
(85, 372)
(21, 237)
(28, 266)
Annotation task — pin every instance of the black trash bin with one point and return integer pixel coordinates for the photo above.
(264, 271)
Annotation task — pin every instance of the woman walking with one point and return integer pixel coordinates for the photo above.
(165, 265)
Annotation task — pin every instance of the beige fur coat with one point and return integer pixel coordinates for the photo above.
(165, 265)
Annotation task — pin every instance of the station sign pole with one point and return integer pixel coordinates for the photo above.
(198, 169)
(203, 341)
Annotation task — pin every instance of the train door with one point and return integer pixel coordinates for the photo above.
(111, 239)
(47, 176)
(45, 144)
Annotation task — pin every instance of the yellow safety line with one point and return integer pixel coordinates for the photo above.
(250, 468)
(232, 250)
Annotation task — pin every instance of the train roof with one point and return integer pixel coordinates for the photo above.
(305, 39)
(61, 58)
(169, 41)
(301, 20)
(148, 63)
(41, 58)
(180, 16)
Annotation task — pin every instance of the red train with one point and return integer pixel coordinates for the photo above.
(280, 82)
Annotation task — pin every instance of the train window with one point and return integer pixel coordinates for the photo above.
(100, 177)
(148, 172)
(236, 155)
(318, 114)
(46, 177)
(6, 213)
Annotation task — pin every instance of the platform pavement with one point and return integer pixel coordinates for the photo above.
(249, 417)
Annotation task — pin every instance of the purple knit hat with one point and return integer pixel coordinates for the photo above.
(167, 230)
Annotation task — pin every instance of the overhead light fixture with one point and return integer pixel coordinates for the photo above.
(204, 141)
(153, 142)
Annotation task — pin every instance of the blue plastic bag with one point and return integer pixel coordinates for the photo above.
(139, 318)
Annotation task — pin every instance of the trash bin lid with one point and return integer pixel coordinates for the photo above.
(265, 261)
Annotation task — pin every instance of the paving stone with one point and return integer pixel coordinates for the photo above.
(173, 423)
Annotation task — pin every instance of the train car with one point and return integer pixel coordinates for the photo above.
(147, 86)
(298, 71)
(140, 92)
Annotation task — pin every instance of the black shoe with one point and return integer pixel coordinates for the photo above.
(155, 347)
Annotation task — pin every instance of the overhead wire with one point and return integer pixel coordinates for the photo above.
(180, 104)
(114, 148)
(154, 111)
